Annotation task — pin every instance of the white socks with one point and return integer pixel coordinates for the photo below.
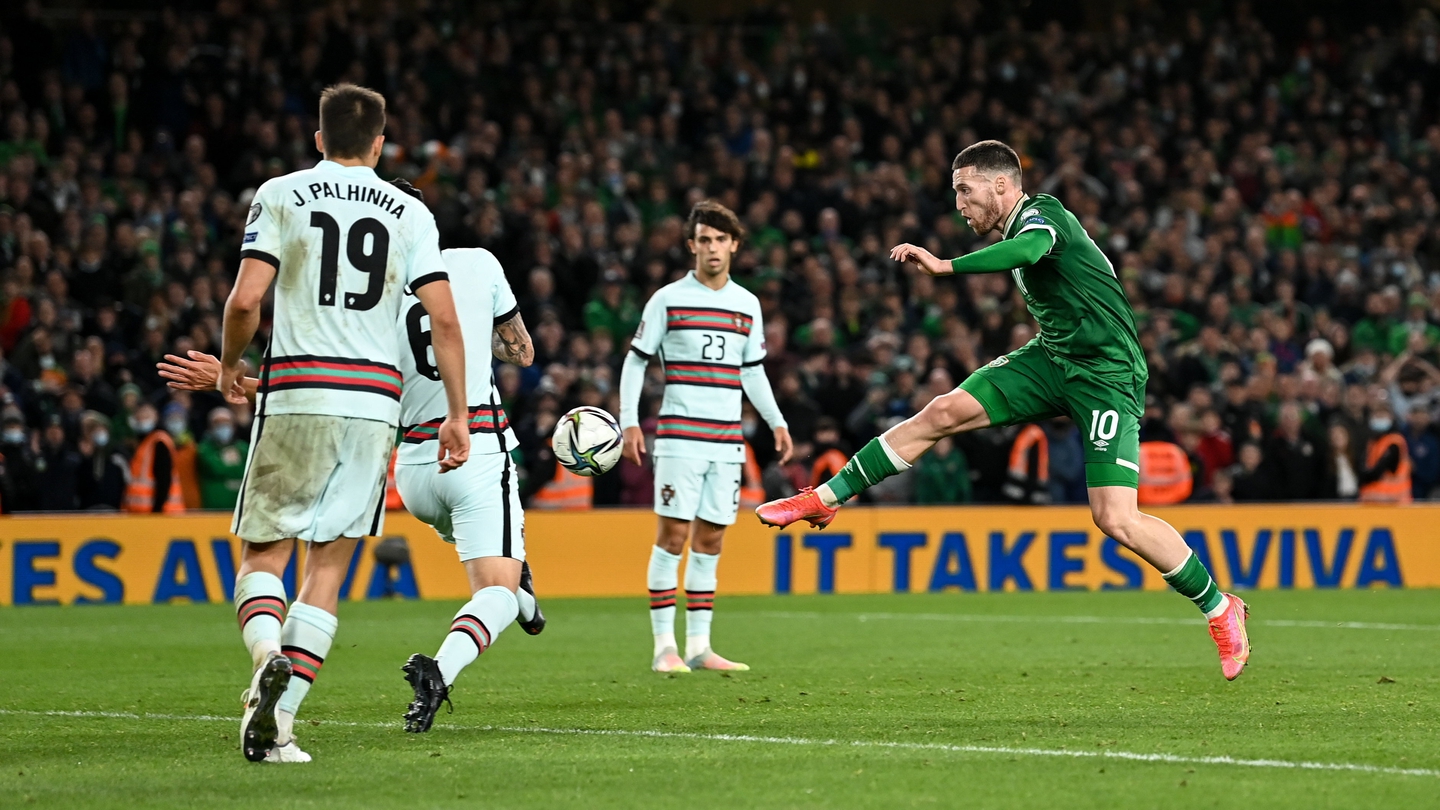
(699, 601)
(662, 578)
(526, 603)
(306, 639)
(260, 607)
(475, 628)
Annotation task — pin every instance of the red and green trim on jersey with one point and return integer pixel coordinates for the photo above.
(709, 375)
(303, 663)
(699, 430)
(483, 419)
(473, 629)
(335, 373)
(708, 319)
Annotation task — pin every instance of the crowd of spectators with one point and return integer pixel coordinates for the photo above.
(1267, 197)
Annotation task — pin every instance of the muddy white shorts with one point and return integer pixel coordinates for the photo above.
(314, 478)
(476, 507)
(687, 488)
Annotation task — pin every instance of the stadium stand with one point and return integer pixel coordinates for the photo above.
(1268, 201)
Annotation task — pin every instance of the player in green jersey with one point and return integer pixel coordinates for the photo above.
(1086, 363)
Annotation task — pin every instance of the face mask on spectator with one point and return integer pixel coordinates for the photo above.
(142, 427)
(174, 426)
(1380, 424)
(223, 433)
(100, 438)
(13, 435)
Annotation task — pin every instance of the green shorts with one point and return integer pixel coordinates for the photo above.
(1028, 385)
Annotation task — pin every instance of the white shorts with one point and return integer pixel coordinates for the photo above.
(687, 488)
(315, 478)
(476, 507)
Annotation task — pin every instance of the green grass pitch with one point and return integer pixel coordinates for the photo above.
(1067, 700)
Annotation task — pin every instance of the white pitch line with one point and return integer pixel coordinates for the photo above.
(1128, 756)
(982, 617)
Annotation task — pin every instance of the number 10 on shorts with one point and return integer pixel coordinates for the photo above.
(1104, 426)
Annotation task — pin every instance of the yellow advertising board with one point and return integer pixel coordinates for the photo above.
(84, 559)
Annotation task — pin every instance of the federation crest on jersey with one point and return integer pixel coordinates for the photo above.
(739, 321)
(667, 494)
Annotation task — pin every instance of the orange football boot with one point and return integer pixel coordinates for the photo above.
(1228, 631)
(805, 506)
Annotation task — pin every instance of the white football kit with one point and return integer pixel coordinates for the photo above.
(476, 507)
(344, 244)
(711, 344)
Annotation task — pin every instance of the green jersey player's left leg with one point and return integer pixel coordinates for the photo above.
(1086, 363)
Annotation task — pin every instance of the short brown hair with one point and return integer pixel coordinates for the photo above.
(988, 157)
(351, 118)
(717, 216)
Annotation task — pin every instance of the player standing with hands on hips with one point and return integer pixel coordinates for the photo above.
(706, 330)
(1086, 363)
(342, 245)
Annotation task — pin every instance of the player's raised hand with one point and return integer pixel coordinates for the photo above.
(922, 258)
(633, 445)
(784, 445)
(454, 444)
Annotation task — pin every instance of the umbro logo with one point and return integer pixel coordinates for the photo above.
(1101, 443)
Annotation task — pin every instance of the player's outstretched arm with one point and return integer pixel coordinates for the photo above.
(199, 372)
(511, 342)
(1022, 251)
(242, 318)
(449, 347)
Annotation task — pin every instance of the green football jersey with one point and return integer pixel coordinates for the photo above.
(1075, 295)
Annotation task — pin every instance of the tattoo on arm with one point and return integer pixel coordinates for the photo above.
(511, 343)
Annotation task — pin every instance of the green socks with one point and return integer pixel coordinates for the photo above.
(874, 463)
(1194, 582)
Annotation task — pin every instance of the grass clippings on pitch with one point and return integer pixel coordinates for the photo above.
(1006, 700)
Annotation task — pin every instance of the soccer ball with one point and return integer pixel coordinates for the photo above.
(587, 441)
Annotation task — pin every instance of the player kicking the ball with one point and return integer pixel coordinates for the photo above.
(1086, 363)
(476, 507)
(707, 332)
(341, 244)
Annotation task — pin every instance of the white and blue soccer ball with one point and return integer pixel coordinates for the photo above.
(587, 441)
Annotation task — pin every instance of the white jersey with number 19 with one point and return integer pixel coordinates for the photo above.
(344, 244)
(483, 299)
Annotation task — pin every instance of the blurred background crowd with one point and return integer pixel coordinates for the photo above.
(1265, 190)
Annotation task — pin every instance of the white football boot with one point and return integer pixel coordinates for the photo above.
(289, 752)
